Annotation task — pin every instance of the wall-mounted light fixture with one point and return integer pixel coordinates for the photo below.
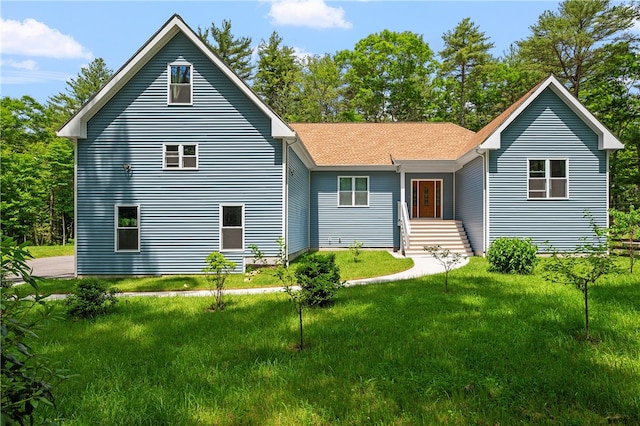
(127, 169)
(291, 171)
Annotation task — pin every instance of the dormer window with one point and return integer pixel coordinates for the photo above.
(180, 87)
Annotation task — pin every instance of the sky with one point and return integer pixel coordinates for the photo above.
(44, 44)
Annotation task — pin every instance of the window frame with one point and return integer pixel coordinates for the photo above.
(181, 156)
(353, 191)
(117, 228)
(170, 84)
(221, 227)
(548, 178)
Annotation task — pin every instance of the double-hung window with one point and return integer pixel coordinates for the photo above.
(127, 227)
(180, 156)
(353, 191)
(180, 84)
(548, 179)
(231, 228)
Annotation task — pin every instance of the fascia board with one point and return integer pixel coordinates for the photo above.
(606, 140)
(302, 153)
(355, 168)
(76, 127)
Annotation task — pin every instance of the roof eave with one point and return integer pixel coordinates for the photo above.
(76, 127)
(606, 140)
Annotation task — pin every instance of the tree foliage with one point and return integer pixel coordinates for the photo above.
(234, 51)
(574, 41)
(466, 50)
(388, 76)
(28, 379)
(278, 75)
(79, 90)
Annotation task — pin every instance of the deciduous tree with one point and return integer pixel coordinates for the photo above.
(388, 76)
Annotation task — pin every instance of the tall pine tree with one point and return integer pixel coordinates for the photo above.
(235, 52)
(466, 49)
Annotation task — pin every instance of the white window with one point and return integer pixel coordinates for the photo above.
(127, 227)
(179, 85)
(548, 179)
(232, 228)
(180, 156)
(353, 191)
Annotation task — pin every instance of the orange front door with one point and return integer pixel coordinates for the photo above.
(427, 196)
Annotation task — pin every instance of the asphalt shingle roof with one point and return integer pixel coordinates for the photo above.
(367, 144)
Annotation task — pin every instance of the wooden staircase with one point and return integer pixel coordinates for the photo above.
(448, 234)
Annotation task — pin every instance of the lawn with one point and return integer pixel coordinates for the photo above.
(370, 264)
(496, 349)
(51, 251)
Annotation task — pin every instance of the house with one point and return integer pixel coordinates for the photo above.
(177, 157)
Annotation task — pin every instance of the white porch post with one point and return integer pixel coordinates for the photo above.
(402, 188)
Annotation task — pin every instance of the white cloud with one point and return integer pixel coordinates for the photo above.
(307, 13)
(33, 38)
(29, 64)
(33, 77)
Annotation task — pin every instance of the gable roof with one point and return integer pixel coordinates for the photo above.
(76, 126)
(489, 136)
(376, 144)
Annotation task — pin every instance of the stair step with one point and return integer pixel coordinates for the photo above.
(448, 234)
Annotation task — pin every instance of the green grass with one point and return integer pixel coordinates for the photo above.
(496, 349)
(50, 251)
(370, 264)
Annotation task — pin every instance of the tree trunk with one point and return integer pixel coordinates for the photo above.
(586, 311)
(301, 337)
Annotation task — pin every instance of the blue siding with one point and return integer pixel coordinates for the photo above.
(470, 202)
(298, 204)
(374, 226)
(447, 190)
(547, 129)
(238, 163)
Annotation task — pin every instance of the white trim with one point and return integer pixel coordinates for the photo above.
(606, 140)
(353, 192)
(547, 178)
(180, 166)
(179, 64)
(285, 195)
(487, 203)
(220, 221)
(607, 187)
(116, 227)
(75, 208)
(76, 127)
(418, 202)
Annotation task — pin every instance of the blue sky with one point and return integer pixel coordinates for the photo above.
(45, 43)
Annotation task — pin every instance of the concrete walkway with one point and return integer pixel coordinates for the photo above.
(422, 265)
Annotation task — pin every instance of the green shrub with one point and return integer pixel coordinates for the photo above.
(90, 299)
(319, 278)
(512, 256)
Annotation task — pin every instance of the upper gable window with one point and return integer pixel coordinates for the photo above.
(548, 179)
(180, 84)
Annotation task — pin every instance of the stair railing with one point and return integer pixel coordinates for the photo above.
(405, 226)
